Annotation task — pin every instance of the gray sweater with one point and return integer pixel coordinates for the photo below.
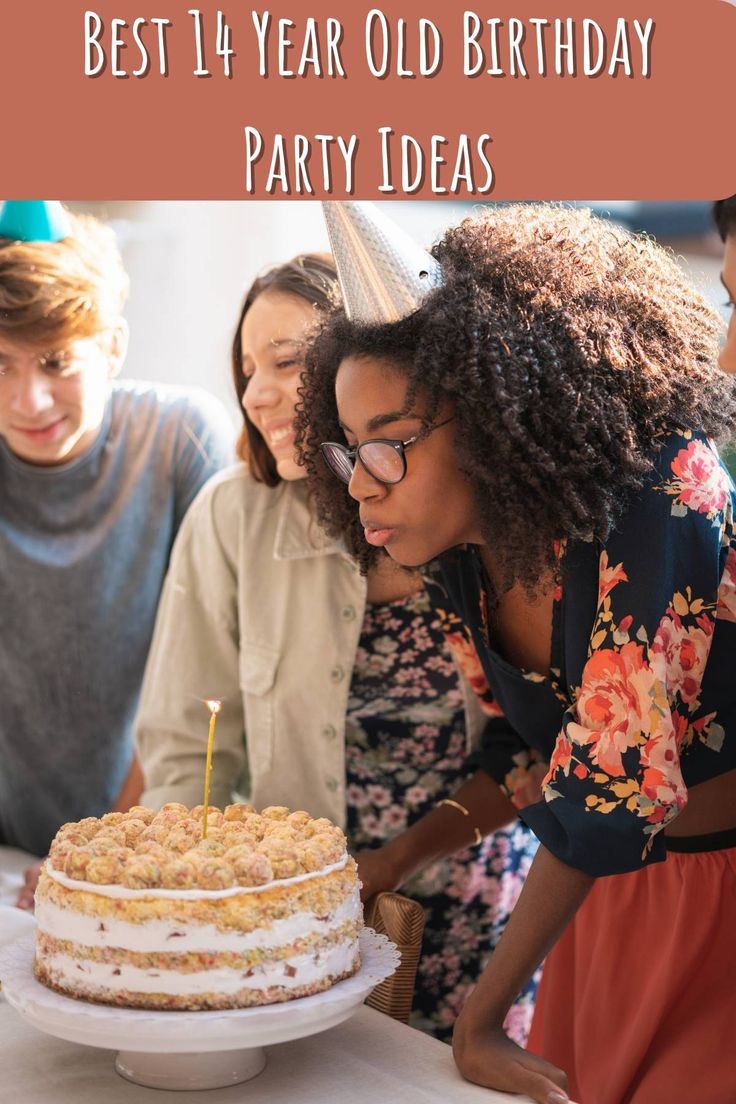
(84, 548)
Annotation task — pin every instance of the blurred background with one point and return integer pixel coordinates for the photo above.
(191, 262)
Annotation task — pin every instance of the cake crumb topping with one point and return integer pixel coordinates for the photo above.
(142, 849)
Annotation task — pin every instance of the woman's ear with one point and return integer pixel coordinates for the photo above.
(117, 347)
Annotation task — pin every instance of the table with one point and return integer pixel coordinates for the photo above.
(369, 1059)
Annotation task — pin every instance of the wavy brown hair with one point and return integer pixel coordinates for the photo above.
(312, 277)
(566, 346)
(56, 292)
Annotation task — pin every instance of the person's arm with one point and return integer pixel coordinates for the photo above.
(194, 658)
(551, 896)
(508, 778)
(441, 832)
(25, 898)
(130, 792)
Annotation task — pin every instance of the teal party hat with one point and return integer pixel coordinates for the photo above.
(34, 220)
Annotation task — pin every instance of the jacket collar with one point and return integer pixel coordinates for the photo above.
(298, 535)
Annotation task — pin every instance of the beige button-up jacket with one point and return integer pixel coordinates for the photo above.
(263, 611)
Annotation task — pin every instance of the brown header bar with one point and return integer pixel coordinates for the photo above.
(162, 99)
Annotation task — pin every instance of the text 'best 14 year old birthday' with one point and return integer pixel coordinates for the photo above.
(273, 47)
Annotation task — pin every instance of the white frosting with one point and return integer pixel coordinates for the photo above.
(292, 973)
(157, 935)
(124, 893)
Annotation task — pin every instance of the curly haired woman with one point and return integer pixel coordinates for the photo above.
(540, 434)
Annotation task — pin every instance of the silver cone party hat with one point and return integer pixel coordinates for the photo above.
(384, 274)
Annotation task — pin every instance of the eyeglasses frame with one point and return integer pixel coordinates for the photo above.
(352, 453)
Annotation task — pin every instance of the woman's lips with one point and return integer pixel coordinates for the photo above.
(379, 537)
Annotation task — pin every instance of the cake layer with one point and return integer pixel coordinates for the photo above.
(320, 894)
(289, 973)
(308, 942)
(165, 935)
(214, 988)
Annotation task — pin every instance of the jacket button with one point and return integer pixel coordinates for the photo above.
(337, 674)
(348, 613)
(332, 784)
(329, 732)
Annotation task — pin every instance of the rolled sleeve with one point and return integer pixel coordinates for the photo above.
(505, 757)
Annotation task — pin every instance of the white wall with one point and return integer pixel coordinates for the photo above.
(191, 262)
(190, 265)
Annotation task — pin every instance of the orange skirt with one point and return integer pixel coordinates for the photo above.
(638, 998)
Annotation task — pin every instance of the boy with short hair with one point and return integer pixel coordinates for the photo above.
(95, 478)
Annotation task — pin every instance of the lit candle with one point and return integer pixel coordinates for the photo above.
(214, 708)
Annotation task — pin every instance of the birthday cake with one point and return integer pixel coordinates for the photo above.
(139, 910)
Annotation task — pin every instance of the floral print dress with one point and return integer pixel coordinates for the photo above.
(406, 749)
(640, 700)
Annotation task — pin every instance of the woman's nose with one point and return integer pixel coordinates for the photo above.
(363, 486)
(260, 393)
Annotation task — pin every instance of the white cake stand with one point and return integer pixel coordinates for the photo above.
(156, 1048)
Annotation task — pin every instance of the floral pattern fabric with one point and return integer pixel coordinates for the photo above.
(406, 750)
(643, 646)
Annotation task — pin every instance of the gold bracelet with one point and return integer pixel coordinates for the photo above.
(478, 838)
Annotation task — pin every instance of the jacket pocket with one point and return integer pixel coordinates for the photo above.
(258, 666)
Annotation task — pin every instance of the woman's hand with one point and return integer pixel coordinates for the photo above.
(551, 895)
(437, 834)
(377, 871)
(486, 1056)
(25, 897)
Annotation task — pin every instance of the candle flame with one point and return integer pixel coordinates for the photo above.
(214, 705)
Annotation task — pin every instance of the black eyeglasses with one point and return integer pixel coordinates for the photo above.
(383, 459)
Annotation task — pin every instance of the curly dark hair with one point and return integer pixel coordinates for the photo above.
(724, 216)
(312, 277)
(566, 346)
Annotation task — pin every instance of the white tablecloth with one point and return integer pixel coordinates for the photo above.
(370, 1059)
